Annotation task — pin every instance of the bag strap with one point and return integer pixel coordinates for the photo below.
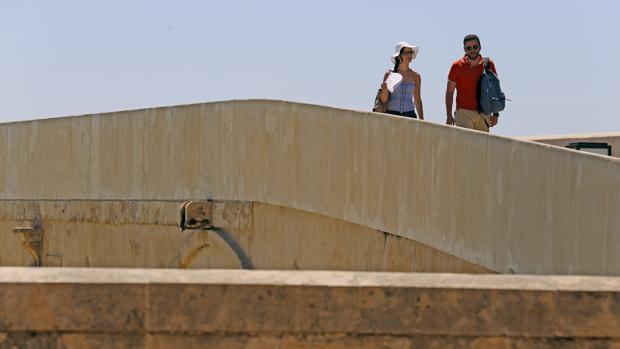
(486, 63)
(387, 75)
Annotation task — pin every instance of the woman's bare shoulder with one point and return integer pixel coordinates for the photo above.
(416, 75)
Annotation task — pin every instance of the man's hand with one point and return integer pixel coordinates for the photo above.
(450, 120)
(493, 120)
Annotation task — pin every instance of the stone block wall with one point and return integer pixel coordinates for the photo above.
(103, 308)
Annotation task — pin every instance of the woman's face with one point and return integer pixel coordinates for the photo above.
(406, 55)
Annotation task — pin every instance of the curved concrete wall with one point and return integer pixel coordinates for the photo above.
(509, 205)
(145, 234)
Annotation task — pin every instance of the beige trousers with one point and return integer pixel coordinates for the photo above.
(472, 119)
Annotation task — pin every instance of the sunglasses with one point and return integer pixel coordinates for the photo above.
(469, 48)
(408, 52)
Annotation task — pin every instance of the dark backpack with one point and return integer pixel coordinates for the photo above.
(491, 99)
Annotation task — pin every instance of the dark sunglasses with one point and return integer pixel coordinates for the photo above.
(469, 48)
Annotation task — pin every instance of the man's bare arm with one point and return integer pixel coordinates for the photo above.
(450, 87)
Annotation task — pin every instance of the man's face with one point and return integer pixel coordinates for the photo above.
(472, 49)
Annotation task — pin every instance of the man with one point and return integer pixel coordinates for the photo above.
(464, 77)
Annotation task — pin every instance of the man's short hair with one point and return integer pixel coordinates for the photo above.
(470, 37)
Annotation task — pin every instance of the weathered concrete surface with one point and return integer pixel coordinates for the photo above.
(144, 234)
(36, 340)
(508, 205)
(612, 139)
(234, 309)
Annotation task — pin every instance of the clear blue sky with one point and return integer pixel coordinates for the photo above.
(558, 60)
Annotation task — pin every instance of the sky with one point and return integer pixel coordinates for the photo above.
(558, 61)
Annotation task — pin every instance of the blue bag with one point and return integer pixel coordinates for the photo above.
(490, 96)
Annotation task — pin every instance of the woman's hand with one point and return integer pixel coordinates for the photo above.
(385, 95)
(384, 87)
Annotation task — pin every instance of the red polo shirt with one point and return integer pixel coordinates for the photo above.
(466, 79)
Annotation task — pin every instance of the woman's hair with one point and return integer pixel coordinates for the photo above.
(397, 59)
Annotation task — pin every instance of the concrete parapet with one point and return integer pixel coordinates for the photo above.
(235, 309)
(508, 205)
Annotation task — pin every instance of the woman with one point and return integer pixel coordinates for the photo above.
(404, 99)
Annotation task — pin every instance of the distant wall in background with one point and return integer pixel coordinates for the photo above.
(612, 139)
